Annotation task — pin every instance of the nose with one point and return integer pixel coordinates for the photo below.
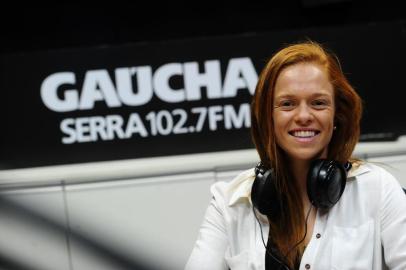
(304, 114)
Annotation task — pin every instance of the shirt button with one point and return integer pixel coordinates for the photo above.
(307, 266)
(318, 236)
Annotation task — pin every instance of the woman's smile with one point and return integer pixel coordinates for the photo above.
(304, 135)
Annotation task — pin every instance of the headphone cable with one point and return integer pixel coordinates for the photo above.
(304, 236)
(292, 248)
(263, 241)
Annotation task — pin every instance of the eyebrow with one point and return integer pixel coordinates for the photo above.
(315, 95)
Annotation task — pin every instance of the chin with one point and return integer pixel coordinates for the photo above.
(306, 156)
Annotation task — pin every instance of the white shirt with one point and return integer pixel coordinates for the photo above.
(366, 229)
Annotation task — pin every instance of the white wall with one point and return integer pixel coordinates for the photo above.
(33, 227)
(96, 216)
(151, 218)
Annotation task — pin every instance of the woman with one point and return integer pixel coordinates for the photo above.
(305, 114)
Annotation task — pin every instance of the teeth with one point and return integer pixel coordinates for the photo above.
(304, 134)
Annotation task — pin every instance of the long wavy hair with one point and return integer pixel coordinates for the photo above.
(289, 228)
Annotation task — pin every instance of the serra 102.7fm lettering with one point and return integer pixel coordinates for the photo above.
(155, 123)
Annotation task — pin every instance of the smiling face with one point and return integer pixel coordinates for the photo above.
(303, 111)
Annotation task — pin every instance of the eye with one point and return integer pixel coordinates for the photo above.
(320, 103)
(286, 104)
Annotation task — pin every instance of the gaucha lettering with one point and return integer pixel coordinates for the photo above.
(59, 91)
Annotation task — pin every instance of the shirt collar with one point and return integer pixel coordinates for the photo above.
(358, 169)
(239, 189)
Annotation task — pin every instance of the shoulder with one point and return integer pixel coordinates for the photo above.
(368, 173)
(368, 188)
(371, 181)
(236, 190)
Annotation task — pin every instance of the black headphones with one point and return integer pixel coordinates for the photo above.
(325, 184)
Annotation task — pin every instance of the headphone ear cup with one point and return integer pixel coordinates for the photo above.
(326, 181)
(264, 195)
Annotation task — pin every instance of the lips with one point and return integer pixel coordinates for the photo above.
(304, 133)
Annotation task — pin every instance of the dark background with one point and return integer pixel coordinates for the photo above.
(370, 40)
(41, 27)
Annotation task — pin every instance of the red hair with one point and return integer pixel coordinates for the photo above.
(288, 231)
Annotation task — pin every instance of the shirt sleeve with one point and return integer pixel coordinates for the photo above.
(211, 244)
(393, 222)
